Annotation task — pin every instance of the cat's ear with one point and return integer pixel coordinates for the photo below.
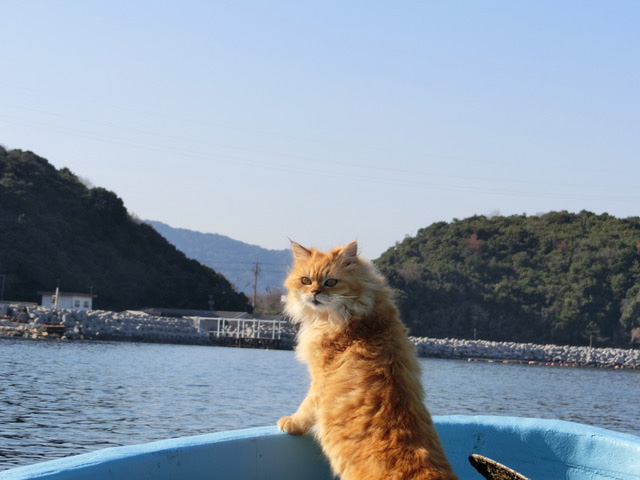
(299, 252)
(350, 253)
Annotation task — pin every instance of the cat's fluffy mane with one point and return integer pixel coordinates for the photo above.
(365, 399)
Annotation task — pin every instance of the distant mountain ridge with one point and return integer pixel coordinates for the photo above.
(232, 258)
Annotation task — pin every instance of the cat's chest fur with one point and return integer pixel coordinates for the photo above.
(321, 345)
(335, 353)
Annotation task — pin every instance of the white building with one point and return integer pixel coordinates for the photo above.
(67, 300)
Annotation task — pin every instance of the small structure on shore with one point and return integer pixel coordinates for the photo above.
(67, 300)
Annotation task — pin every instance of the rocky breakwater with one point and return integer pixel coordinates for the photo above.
(13, 329)
(123, 326)
(527, 353)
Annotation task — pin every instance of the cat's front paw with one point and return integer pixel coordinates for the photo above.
(289, 425)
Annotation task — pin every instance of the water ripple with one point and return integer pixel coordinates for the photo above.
(63, 398)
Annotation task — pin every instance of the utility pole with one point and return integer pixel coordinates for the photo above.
(256, 271)
(57, 296)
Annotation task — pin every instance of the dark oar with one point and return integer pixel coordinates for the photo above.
(492, 470)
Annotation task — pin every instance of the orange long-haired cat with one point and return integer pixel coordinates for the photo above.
(365, 398)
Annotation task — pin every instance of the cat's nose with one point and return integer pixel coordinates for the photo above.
(315, 291)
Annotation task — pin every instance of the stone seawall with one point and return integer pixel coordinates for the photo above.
(139, 327)
(527, 352)
(126, 326)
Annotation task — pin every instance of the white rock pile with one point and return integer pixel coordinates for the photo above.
(527, 352)
(127, 326)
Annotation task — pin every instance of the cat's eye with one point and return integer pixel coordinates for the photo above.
(305, 280)
(332, 282)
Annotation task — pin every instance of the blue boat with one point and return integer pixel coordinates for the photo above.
(539, 449)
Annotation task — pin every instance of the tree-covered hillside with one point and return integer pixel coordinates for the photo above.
(556, 278)
(53, 228)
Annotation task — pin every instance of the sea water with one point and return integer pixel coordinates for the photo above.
(63, 398)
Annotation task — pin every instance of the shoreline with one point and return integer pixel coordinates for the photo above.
(527, 353)
(139, 327)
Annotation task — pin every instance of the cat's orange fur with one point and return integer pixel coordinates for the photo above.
(365, 398)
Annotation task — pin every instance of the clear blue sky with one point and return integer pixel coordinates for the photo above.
(329, 121)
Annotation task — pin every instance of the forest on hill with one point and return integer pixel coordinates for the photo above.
(561, 278)
(55, 230)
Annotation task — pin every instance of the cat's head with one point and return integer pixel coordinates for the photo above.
(335, 285)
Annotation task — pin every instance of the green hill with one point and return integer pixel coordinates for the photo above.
(53, 228)
(557, 278)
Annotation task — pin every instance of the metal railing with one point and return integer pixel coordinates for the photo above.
(242, 328)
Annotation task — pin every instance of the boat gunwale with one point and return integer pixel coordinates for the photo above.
(534, 430)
